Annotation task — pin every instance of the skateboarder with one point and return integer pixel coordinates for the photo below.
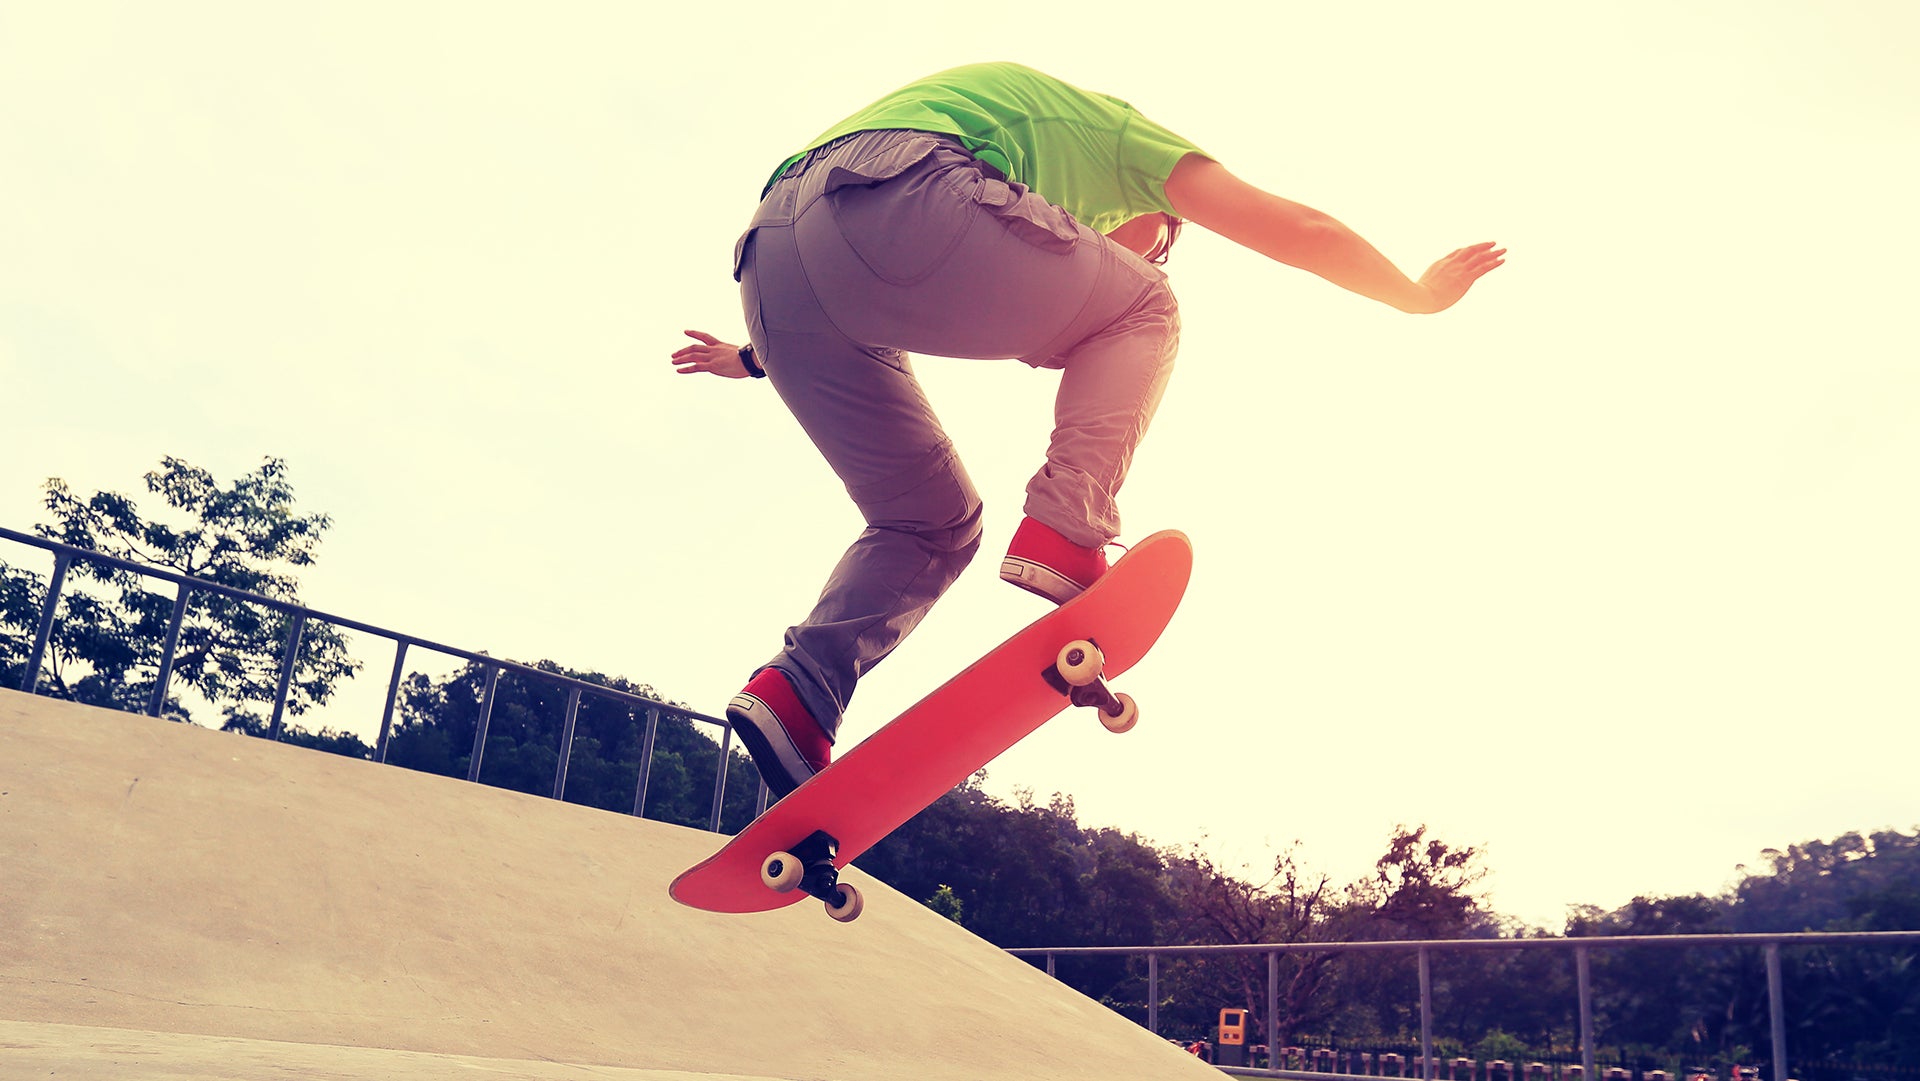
(989, 211)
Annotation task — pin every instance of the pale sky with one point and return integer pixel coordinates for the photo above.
(1609, 571)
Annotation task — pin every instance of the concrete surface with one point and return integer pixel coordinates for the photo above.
(182, 903)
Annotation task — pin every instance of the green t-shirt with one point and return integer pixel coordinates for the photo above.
(1090, 154)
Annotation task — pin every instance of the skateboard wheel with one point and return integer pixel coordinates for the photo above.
(781, 872)
(1079, 663)
(1123, 721)
(849, 906)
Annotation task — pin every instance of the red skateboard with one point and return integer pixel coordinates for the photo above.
(1065, 657)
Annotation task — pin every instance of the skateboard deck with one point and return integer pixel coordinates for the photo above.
(944, 738)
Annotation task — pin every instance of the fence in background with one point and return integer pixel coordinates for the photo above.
(1582, 951)
(65, 555)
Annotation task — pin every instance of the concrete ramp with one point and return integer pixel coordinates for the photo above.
(179, 902)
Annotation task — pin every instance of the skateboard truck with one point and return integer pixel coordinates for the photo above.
(1077, 672)
(809, 868)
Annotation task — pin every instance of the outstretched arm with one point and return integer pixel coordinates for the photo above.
(1204, 192)
(711, 355)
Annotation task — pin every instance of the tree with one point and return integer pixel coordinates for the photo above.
(1664, 997)
(107, 641)
(1422, 888)
(1018, 869)
(1024, 873)
(946, 904)
(1213, 907)
(332, 741)
(1818, 885)
(20, 595)
(1708, 1008)
(438, 721)
(1843, 1002)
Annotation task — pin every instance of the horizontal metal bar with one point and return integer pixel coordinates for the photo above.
(201, 584)
(1813, 938)
(1309, 1075)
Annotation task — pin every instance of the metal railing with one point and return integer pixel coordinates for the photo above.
(1582, 950)
(64, 556)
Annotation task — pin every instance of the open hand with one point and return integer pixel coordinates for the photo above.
(711, 355)
(1449, 279)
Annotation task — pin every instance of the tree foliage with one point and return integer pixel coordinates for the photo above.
(524, 736)
(1844, 1003)
(111, 626)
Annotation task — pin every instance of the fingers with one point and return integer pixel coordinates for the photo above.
(1474, 261)
(694, 358)
(1486, 253)
(1483, 262)
(1478, 253)
(1448, 279)
(711, 355)
(689, 359)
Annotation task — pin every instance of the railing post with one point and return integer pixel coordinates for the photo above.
(292, 655)
(1050, 964)
(646, 762)
(61, 561)
(168, 650)
(1583, 976)
(1777, 1011)
(566, 745)
(720, 780)
(393, 694)
(1273, 1011)
(1426, 1016)
(1153, 993)
(480, 727)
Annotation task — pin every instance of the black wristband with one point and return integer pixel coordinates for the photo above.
(753, 368)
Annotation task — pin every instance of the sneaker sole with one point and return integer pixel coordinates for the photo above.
(1040, 579)
(751, 716)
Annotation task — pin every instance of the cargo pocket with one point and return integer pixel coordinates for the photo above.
(750, 294)
(897, 212)
(1028, 216)
(740, 252)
